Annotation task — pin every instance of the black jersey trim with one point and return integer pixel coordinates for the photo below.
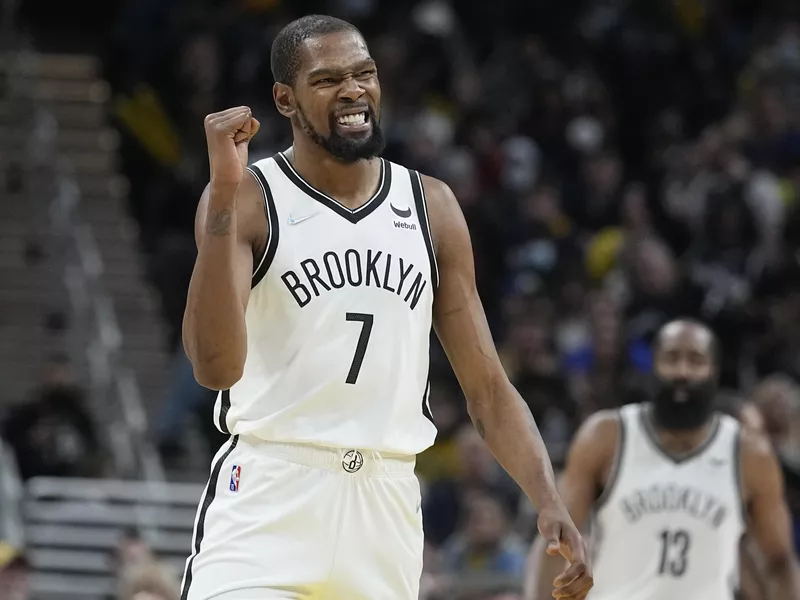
(738, 474)
(224, 407)
(271, 212)
(426, 402)
(208, 498)
(616, 466)
(352, 215)
(418, 190)
(645, 416)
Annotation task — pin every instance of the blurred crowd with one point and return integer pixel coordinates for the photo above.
(139, 574)
(619, 164)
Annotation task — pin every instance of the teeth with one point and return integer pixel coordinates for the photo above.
(358, 119)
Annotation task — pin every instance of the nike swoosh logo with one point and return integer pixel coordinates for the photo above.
(401, 213)
(294, 221)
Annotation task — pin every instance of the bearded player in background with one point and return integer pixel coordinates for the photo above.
(671, 486)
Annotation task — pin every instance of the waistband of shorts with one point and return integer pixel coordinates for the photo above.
(347, 460)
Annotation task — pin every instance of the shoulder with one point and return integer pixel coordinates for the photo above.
(438, 194)
(435, 188)
(755, 448)
(760, 469)
(448, 226)
(598, 437)
(603, 426)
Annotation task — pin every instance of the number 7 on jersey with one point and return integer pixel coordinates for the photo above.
(361, 346)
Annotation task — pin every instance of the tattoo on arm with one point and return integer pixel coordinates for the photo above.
(481, 429)
(219, 222)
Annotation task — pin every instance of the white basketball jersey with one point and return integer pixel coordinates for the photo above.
(669, 528)
(339, 318)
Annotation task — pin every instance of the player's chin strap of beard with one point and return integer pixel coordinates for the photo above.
(690, 412)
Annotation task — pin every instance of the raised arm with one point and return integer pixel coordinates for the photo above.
(230, 227)
(587, 472)
(500, 415)
(770, 521)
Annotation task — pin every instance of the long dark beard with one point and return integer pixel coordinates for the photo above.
(691, 413)
(345, 149)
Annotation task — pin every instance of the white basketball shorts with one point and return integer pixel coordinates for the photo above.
(292, 521)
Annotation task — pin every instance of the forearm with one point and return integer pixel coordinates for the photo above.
(783, 578)
(504, 422)
(214, 329)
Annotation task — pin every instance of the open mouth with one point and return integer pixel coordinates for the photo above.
(353, 121)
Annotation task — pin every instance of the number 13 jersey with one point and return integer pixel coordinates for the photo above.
(339, 318)
(669, 528)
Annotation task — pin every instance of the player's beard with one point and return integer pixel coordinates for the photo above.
(682, 405)
(342, 148)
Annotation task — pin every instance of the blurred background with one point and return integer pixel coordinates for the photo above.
(620, 163)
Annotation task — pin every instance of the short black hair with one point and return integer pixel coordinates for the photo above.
(713, 345)
(285, 55)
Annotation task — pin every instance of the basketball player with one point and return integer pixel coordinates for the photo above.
(674, 484)
(319, 275)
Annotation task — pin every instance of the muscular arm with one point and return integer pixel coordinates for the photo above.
(229, 227)
(751, 580)
(498, 412)
(587, 470)
(770, 522)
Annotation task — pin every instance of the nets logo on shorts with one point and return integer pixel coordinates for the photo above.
(236, 473)
(352, 461)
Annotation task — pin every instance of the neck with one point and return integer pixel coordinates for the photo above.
(352, 184)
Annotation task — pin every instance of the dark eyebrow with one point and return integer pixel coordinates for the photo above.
(323, 72)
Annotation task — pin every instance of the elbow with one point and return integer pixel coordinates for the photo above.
(215, 370)
(217, 374)
(217, 379)
(487, 395)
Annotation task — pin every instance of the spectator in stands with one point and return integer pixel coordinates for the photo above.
(776, 340)
(544, 242)
(604, 368)
(531, 358)
(723, 263)
(139, 573)
(53, 434)
(443, 505)
(148, 580)
(601, 189)
(132, 549)
(485, 544)
(778, 399)
(185, 398)
(655, 290)
(14, 583)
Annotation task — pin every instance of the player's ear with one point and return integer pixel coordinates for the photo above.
(284, 99)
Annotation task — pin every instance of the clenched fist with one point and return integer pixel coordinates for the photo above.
(227, 134)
